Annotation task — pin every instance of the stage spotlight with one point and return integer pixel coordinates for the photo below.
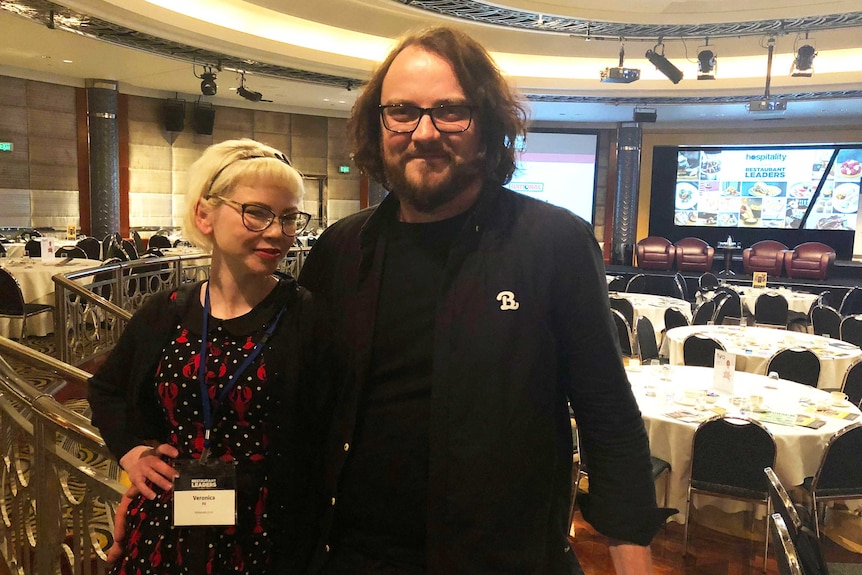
(706, 64)
(249, 95)
(803, 65)
(663, 65)
(208, 84)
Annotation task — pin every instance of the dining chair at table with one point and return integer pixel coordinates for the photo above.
(12, 304)
(27, 235)
(645, 335)
(704, 312)
(2, 250)
(624, 334)
(825, 321)
(73, 252)
(92, 247)
(771, 310)
(851, 303)
(181, 243)
(681, 286)
(850, 329)
(139, 242)
(130, 249)
(786, 556)
(674, 318)
(852, 383)
(699, 350)
(728, 308)
(625, 307)
(707, 281)
(839, 477)
(728, 456)
(33, 248)
(637, 284)
(795, 364)
(158, 241)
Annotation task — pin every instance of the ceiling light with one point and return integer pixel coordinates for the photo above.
(249, 95)
(706, 64)
(803, 64)
(208, 81)
(620, 75)
(663, 65)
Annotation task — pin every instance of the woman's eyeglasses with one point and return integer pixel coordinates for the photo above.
(257, 218)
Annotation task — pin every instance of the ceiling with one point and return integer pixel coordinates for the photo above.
(312, 57)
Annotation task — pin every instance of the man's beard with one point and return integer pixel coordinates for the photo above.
(425, 196)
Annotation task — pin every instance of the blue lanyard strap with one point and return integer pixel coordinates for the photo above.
(232, 379)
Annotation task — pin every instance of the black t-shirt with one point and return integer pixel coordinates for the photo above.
(383, 493)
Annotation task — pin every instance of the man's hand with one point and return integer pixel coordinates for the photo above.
(118, 548)
(145, 467)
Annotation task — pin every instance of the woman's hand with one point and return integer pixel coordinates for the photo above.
(145, 467)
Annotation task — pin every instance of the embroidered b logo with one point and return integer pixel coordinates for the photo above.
(507, 301)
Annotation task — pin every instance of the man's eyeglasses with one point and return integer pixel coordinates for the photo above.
(258, 218)
(448, 118)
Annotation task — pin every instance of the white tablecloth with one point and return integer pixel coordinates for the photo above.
(753, 346)
(16, 249)
(798, 449)
(796, 301)
(653, 307)
(34, 277)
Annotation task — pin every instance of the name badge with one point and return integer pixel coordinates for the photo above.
(204, 493)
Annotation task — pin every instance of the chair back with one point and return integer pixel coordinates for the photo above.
(852, 384)
(11, 298)
(782, 503)
(674, 318)
(625, 307)
(624, 333)
(851, 303)
(840, 473)
(729, 455)
(796, 364)
(707, 281)
(703, 314)
(27, 235)
(647, 346)
(139, 243)
(70, 252)
(682, 286)
(2, 249)
(783, 547)
(728, 307)
(851, 329)
(771, 309)
(655, 253)
(825, 320)
(637, 284)
(700, 350)
(159, 241)
(130, 249)
(92, 247)
(33, 248)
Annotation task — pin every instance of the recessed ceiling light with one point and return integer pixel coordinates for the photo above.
(67, 61)
(326, 99)
(342, 102)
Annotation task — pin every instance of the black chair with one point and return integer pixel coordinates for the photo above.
(71, 252)
(728, 457)
(27, 235)
(783, 547)
(625, 307)
(700, 350)
(153, 252)
(158, 241)
(707, 281)
(771, 310)
(139, 243)
(852, 383)
(33, 248)
(637, 284)
(850, 329)
(851, 304)
(624, 334)
(130, 249)
(645, 335)
(797, 521)
(92, 247)
(12, 304)
(682, 286)
(674, 318)
(704, 312)
(116, 251)
(796, 364)
(839, 477)
(729, 308)
(182, 244)
(617, 284)
(825, 320)
(2, 250)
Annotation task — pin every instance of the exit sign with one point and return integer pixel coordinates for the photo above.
(343, 169)
(5, 146)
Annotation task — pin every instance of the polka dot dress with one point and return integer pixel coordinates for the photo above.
(153, 545)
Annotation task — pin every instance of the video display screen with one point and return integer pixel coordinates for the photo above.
(777, 187)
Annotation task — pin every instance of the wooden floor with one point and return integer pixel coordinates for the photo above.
(709, 552)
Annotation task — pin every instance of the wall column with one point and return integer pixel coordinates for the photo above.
(103, 135)
(626, 195)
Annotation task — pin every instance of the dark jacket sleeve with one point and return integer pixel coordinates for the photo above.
(117, 394)
(621, 501)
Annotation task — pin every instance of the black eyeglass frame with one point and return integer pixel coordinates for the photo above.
(430, 113)
(281, 219)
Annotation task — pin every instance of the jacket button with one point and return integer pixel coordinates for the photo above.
(346, 447)
(326, 548)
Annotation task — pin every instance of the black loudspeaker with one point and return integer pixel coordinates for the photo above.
(645, 115)
(174, 115)
(203, 120)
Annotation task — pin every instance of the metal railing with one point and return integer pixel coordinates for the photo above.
(53, 459)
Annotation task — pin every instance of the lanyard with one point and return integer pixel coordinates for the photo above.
(232, 378)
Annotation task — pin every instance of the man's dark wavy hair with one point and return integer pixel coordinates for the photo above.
(501, 115)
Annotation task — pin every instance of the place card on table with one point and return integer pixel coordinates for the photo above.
(836, 413)
(777, 418)
(48, 249)
(810, 421)
(758, 279)
(689, 416)
(723, 371)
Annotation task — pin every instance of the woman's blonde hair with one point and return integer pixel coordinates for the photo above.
(224, 166)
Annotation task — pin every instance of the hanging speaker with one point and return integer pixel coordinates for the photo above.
(173, 115)
(203, 119)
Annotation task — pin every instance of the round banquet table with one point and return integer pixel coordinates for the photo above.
(753, 346)
(16, 249)
(798, 449)
(796, 301)
(653, 307)
(34, 277)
